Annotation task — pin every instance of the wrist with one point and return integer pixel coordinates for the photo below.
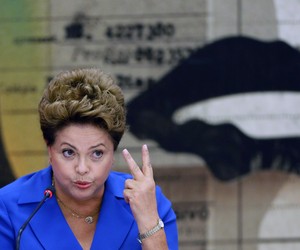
(159, 225)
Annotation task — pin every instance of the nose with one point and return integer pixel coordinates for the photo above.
(82, 166)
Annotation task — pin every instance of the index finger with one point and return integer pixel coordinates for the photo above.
(147, 167)
(133, 167)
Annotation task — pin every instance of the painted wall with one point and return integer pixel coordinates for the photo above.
(211, 85)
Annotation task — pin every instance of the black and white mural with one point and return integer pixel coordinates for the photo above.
(212, 86)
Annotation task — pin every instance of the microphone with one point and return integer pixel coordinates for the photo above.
(48, 193)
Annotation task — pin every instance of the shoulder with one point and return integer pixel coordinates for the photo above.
(119, 176)
(117, 179)
(115, 182)
(15, 186)
(27, 184)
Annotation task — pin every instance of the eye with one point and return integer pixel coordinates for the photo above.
(97, 154)
(68, 153)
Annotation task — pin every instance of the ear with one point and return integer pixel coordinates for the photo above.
(49, 154)
(113, 163)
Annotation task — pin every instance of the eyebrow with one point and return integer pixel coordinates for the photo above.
(70, 145)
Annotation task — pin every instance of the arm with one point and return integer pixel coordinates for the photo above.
(7, 239)
(140, 193)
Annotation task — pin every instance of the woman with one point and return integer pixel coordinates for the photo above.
(82, 117)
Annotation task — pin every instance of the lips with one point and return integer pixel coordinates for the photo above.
(82, 184)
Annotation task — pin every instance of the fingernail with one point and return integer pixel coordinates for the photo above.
(145, 146)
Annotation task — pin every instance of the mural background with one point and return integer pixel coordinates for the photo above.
(211, 85)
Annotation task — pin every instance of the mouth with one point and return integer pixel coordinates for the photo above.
(82, 184)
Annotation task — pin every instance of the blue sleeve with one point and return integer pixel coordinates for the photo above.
(7, 238)
(168, 216)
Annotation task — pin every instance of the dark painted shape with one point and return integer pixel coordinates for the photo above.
(228, 66)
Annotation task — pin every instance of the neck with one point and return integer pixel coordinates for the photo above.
(85, 208)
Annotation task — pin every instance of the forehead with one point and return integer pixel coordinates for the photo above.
(83, 133)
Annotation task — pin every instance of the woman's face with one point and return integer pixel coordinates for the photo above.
(81, 157)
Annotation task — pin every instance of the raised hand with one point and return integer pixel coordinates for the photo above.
(139, 192)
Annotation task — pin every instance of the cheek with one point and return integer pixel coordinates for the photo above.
(53, 158)
(55, 162)
(60, 168)
(102, 170)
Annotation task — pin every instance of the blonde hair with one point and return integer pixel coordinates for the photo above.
(82, 96)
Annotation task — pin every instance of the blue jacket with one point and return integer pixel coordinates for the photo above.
(116, 227)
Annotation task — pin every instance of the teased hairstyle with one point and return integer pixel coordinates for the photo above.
(82, 96)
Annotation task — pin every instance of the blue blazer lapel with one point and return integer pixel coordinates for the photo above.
(51, 228)
(114, 224)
